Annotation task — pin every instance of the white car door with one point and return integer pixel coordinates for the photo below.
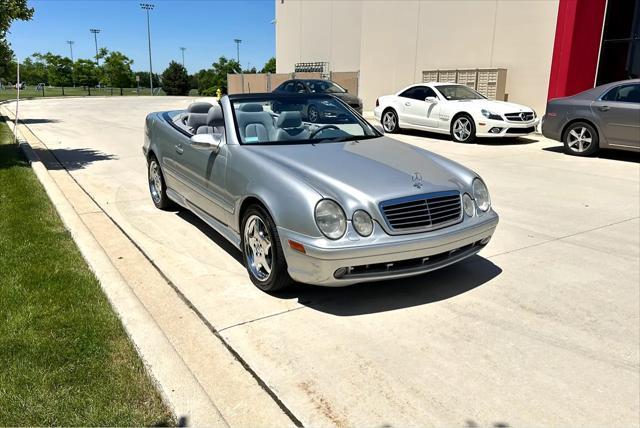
(415, 110)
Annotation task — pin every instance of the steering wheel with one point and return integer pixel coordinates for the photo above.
(322, 128)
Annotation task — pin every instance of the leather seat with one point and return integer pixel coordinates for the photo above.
(254, 124)
(215, 121)
(197, 115)
(289, 127)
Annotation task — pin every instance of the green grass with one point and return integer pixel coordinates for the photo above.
(65, 358)
(31, 92)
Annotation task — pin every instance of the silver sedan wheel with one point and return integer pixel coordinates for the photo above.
(579, 139)
(258, 248)
(462, 128)
(389, 121)
(155, 181)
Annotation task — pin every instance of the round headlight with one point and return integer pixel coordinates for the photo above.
(362, 223)
(481, 195)
(467, 204)
(330, 219)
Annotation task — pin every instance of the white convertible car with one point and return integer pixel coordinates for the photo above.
(450, 108)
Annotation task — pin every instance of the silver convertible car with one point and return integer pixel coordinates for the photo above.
(331, 203)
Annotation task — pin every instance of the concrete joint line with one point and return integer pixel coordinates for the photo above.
(179, 388)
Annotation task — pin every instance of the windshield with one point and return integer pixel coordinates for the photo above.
(297, 119)
(458, 92)
(326, 87)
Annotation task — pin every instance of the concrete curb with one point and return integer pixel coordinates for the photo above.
(178, 386)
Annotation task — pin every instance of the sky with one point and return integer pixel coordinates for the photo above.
(206, 28)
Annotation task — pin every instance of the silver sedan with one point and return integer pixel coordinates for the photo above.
(329, 203)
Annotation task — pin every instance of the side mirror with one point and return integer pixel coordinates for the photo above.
(207, 142)
(431, 99)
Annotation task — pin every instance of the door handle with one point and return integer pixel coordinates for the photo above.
(604, 108)
(179, 149)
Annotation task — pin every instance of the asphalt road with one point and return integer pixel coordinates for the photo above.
(542, 328)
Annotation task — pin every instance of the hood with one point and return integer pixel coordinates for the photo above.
(367, 172)
(497, 106)
(347, 98)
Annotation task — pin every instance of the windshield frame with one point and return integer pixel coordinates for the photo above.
(274, 96)
(437, 87)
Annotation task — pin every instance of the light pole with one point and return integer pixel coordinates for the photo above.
(73, 79)
(95, 32)
(183, 49)
(238, 41)
(148, 7)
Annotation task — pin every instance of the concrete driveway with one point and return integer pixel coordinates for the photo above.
(542, 328)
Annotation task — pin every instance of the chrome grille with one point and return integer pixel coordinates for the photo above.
(519, 117)
(423, 212)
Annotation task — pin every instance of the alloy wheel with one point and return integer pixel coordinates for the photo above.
(579, 139)
(313, 114)
(258, 248)
(462, 128)
(155, 181)
(389, 121)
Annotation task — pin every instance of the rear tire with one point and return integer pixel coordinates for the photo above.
(389, 121)
(463, 129)
(157, 185)
(580, 139)
(262, 253)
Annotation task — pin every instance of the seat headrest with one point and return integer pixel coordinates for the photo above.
(252, 107)
(289, 119)
(214, 116)
(199, 107)
(196, 120)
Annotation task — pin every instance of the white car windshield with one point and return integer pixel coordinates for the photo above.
(458, 92)
(297, 119)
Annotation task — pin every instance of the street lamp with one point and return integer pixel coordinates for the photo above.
(148, 7)
(183, 49)
(238, 41)
(73, 79)
(95, 32)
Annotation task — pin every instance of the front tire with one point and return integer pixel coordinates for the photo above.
(312, 114)
(463, 129)
(157, 185)
(390, 121)
(580, 139)
(262, 253)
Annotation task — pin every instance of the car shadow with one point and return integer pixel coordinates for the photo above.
(389, 295)
(503, 141)
(38, 121)
(619, 155)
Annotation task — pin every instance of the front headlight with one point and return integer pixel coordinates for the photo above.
(362, 223)
(481, 195)
(490, 115)
(330, 219)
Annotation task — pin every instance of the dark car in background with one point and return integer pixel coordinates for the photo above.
(607, 116)
(318, 86)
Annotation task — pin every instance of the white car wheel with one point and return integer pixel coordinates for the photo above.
(463, 129)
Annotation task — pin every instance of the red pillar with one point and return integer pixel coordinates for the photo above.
(576, 46)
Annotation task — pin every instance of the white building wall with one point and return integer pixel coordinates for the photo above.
(392, 42)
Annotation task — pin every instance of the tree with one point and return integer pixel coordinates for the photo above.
(205, 80)
(86, 72)
(10, 10)
(220, 70)
(33, 71)
(175, 80)
(251, 70)
(269, 66)
(59, 68)
(116, 69)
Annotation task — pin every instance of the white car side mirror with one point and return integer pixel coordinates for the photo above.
(431, 99)
(207, 142)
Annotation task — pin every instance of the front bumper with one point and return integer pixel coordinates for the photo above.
(354, 259)
(504, 128)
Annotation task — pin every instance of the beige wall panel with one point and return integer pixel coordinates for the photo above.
(288, 27)
(388, 47)
(278, 78)
(525, 32)
(315, 40)
(234, 84)
(345, 31)
(255, 83)
(346, 79)
(308, 75)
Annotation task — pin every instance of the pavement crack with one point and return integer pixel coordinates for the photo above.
(260, 318)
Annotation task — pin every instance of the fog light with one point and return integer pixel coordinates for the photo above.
(495, 130)
(340, 272)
